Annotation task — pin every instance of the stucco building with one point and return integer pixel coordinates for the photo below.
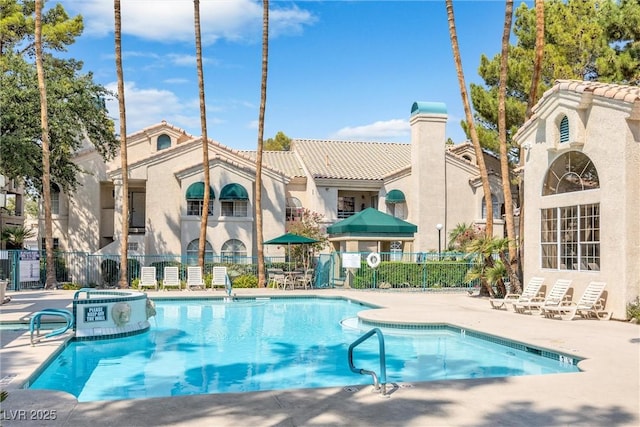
(581, 153)
(426, 183)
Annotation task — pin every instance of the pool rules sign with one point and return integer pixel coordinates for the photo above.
(97, 313)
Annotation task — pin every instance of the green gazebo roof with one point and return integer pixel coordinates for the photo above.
(372, 222)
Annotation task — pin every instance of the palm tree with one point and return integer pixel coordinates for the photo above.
(46, 153)
(205, 139)
(533, 98)
(469, 118)
(263, 103)
(16, 236)
(502, 136)
(124, 242)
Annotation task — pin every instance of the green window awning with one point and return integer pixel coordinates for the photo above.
(234, 192)
(196, 191)
(395, 196)
(372, 222)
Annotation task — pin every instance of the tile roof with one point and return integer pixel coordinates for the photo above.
(352, 160)
(285, 162)
(624, 93)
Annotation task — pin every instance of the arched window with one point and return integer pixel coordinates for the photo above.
(564, 130)
(497, 208)
(195, 199)
(164, 141)
(294, 209)
(234, 251)
(234, 200)
(572, 171)
(192, 252)
(55, 199)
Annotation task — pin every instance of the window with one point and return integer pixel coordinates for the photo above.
(164, 141)
(564, 130)
(497, 208)
(56, 244)
(192, 252)
(294, 209)
(396, 251)
(195, 199)
(570, 237)
(234, 251)
(55, 199)
(572, 171)
(346, 206)
(235, 208)
(234, 200)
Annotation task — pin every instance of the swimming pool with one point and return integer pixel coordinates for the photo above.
(212, 346)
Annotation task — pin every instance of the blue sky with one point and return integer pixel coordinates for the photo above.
(346, 70)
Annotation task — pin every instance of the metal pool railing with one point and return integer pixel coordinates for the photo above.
(378, 383)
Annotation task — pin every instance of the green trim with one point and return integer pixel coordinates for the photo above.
(233, 192)
(428, 108)
(395, 196)
(196, 191)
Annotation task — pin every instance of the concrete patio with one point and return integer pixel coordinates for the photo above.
(606, 393)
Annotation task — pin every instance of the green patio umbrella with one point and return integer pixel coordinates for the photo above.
(290, 239)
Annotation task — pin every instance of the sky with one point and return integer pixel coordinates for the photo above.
(346, 70)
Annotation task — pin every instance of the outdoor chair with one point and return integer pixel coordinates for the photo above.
(591, 304)
(556, 297)
(194, 278)
(306, 280)
(148, 278)
(171, 278)
(220, 278)
(531, 290)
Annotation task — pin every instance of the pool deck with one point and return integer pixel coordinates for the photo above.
(606, 393)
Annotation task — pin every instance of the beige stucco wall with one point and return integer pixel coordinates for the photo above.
(603, 129)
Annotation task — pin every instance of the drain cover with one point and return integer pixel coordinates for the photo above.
(405, 385)
(351, 389)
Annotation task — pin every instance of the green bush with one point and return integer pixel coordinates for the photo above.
(432, 274)
(245, 281)
(135, 283)
(110, 270)
(633, 310)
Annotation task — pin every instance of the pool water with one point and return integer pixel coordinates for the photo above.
(209, 346)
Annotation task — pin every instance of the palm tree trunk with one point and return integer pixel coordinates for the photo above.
(205, 139)
(46, 165)
(263, 103)
(502, 136)
(124, 240)
(469, 117)
(533, 99)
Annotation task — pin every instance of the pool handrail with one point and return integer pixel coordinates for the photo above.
(380, 384)
(34, 324)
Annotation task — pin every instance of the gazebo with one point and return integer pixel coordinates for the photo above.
(371, 230)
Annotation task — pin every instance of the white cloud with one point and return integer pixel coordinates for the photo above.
(172, 20)
(377, 131)
(148, 106)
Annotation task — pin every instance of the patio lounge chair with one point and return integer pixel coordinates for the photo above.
(148, 278)
(531, 290)
(556, 296)
(590, 304)
(194, 278)
(171, 278)
(220, 278)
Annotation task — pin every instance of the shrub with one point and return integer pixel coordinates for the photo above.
(135, 283)
(633, 310)
(245, 281)
(110, 270)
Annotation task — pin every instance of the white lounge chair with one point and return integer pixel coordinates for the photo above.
(590, 304)
(556, 296)
(531, 290)
(148, 278)
(220, 278)
(171, 278)
(194, 278)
